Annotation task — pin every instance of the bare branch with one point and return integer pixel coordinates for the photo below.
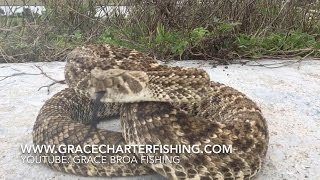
(51, 84)
(20, 73)
(17, 74)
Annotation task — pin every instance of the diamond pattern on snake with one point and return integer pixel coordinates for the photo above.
(157, 105)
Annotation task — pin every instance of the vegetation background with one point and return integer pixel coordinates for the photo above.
(167, 29)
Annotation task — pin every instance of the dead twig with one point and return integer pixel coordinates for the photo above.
(275, 65)
(20, 73)
(17, 74)
(283, 63)
(51, 84)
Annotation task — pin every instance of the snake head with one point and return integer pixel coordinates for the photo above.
(119, 85)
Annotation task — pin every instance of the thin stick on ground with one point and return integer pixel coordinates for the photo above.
(17, 74)
(35, 74)
(51, 84)
(275, 65)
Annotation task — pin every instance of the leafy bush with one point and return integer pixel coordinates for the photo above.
(167, 29)
(279, 43)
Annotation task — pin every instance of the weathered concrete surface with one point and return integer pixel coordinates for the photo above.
(289, 98)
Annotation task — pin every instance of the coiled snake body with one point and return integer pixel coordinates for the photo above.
(158, 105)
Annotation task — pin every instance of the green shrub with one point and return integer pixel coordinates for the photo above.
(167, 29)
(278, 43)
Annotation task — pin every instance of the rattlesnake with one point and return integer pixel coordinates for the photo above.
(157, 104)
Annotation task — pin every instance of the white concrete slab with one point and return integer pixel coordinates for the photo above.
(289, 97)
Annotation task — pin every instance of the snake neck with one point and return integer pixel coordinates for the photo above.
(184, 85)
(178, 85)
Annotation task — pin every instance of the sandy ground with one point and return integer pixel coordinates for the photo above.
(289, 97)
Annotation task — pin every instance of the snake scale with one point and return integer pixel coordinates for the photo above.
(158, 105)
